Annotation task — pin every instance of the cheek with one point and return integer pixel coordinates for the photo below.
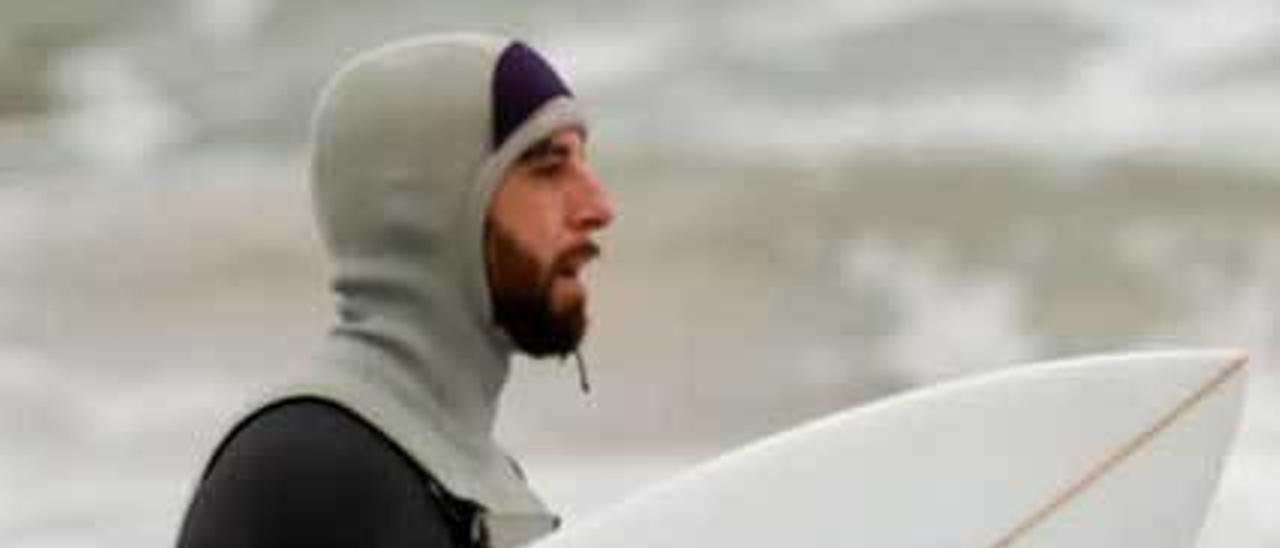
(520, 255)
(540, 231)
(532, 214)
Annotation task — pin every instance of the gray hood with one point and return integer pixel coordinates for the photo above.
(405, 159)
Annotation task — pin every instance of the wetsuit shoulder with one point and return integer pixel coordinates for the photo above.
(309, 473)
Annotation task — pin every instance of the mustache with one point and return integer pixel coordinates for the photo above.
(577, 256)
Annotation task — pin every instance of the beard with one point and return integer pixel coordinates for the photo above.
(523, 304)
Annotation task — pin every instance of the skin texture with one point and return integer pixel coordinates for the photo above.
(541, 220)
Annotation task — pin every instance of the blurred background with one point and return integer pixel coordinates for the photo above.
(821, 203)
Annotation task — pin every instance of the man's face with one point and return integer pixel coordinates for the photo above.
(537, 241)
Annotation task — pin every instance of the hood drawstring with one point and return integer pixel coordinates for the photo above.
(582, 373)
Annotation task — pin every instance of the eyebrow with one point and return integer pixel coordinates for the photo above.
(548, 148)
(544, 150)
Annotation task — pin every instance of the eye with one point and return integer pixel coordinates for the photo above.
(549, 167)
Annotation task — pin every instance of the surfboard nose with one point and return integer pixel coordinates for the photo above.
(1194, 400)
(1112, 451)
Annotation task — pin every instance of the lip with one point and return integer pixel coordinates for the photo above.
(572, 270)
(577, 259)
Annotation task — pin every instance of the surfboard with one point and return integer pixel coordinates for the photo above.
(1118, 451)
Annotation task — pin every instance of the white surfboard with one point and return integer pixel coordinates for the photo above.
(1120, 451)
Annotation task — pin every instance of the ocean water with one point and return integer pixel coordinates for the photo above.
(136, 319)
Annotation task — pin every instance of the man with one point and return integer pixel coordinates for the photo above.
(454, 195)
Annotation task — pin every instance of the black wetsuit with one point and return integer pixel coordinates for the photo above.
(309, 473)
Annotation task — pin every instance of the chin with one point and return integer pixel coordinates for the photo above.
(571, 312)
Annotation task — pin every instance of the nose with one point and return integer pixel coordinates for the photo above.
(594, 209)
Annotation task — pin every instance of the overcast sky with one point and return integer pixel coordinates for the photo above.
(1039, 73)
(816, 75)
